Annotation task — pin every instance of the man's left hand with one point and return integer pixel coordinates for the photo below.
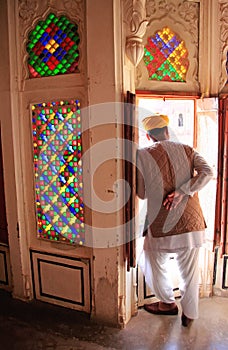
(173, 199)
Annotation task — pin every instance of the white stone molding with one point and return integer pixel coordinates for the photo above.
(213, 46)
(122, 310)
(134, 297)
(223, 7)
(32, 11)
(136, 27)
(183, 18)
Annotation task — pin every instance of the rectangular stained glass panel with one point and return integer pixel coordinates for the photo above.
(57, 148)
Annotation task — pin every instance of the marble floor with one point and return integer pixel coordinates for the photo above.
(41, 326)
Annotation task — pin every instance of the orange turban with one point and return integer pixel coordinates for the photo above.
(155, 121)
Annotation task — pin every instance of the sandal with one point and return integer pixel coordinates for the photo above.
(154, 309)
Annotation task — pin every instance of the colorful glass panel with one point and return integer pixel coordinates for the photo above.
(165, 57)
(53, 47)
(58, 171)
(227, 66)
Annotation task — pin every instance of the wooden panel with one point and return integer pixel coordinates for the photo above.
(225, 273)
(5, 275)
(61, 280)
(3, 222)
(3, 268)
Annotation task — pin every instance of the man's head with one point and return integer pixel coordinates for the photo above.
(156, 127)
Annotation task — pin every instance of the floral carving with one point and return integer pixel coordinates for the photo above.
(137, 24)
(73, 6)
(224, 40)
(189, 12)
(27, 9)
(224, 23)
(166, 7)
(150, 8)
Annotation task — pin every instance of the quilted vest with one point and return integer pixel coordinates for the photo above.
(168, 165)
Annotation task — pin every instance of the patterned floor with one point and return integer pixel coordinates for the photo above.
(45, 327)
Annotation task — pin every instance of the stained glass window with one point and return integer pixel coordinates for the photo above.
(58, 171)
(227, 66)
(53, 47)
(165, 56)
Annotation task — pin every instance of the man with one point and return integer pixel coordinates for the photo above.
(169, 175)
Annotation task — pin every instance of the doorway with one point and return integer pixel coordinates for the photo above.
(193, 121)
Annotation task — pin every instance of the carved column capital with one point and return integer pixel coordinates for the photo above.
(223, 12)
(136, 28)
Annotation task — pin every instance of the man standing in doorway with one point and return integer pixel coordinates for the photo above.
(169, 175)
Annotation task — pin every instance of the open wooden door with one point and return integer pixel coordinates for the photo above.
(129, 171)
(221, 237)
(220, 245)
(207, 145)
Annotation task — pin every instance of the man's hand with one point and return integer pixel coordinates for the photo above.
(173, 199)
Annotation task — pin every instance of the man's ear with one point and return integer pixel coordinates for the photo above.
(167, 133)
(148, 136)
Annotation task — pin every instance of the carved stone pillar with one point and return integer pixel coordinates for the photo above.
(213, 46)
(137, 23)
(223, 11)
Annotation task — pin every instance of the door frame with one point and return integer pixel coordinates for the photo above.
(146, 296)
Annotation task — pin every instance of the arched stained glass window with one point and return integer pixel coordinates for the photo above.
(53, 47)
(165, 56)
(58, 171)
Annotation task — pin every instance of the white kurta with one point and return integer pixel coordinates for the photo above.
(154, 259)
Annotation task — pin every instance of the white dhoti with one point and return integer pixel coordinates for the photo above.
(155, 267)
